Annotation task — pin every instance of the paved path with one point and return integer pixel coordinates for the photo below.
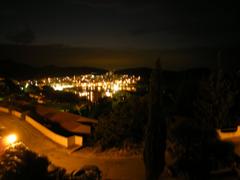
(124, 168)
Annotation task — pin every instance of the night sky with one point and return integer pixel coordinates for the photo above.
(120, 26)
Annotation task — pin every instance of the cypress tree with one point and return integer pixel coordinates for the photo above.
(155, 137)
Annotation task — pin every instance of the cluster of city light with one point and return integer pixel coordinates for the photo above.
(83, 85)
(61, 87)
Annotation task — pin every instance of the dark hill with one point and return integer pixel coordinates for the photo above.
(12, 69)
(143, 71)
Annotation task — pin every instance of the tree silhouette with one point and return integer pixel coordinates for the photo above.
(155, 138)
(216, 97)
(18, 162)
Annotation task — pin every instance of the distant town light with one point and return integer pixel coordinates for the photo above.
(115, 87)
(59, 87)
(108, 94)
(26, 86)
(82, 85)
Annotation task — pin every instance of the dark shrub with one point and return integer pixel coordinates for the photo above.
(196, 150)
(18, 162)
(124, 123)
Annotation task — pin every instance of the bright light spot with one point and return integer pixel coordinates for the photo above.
(91, 96)
(108, 94)
(115, 87)
(59, 87)
(26, 86)
(10, 139)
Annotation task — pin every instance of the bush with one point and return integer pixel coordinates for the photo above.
(196, 151)
(88, 172)
(101, 108)
(18, 162)
(124, 123)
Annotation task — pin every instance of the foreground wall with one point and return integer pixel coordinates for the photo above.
(229, 135)
(75, 140)
(64, 141)
(16, 113)
(51, 135)
(5, 110)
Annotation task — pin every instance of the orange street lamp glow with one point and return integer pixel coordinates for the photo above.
(10, 139)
